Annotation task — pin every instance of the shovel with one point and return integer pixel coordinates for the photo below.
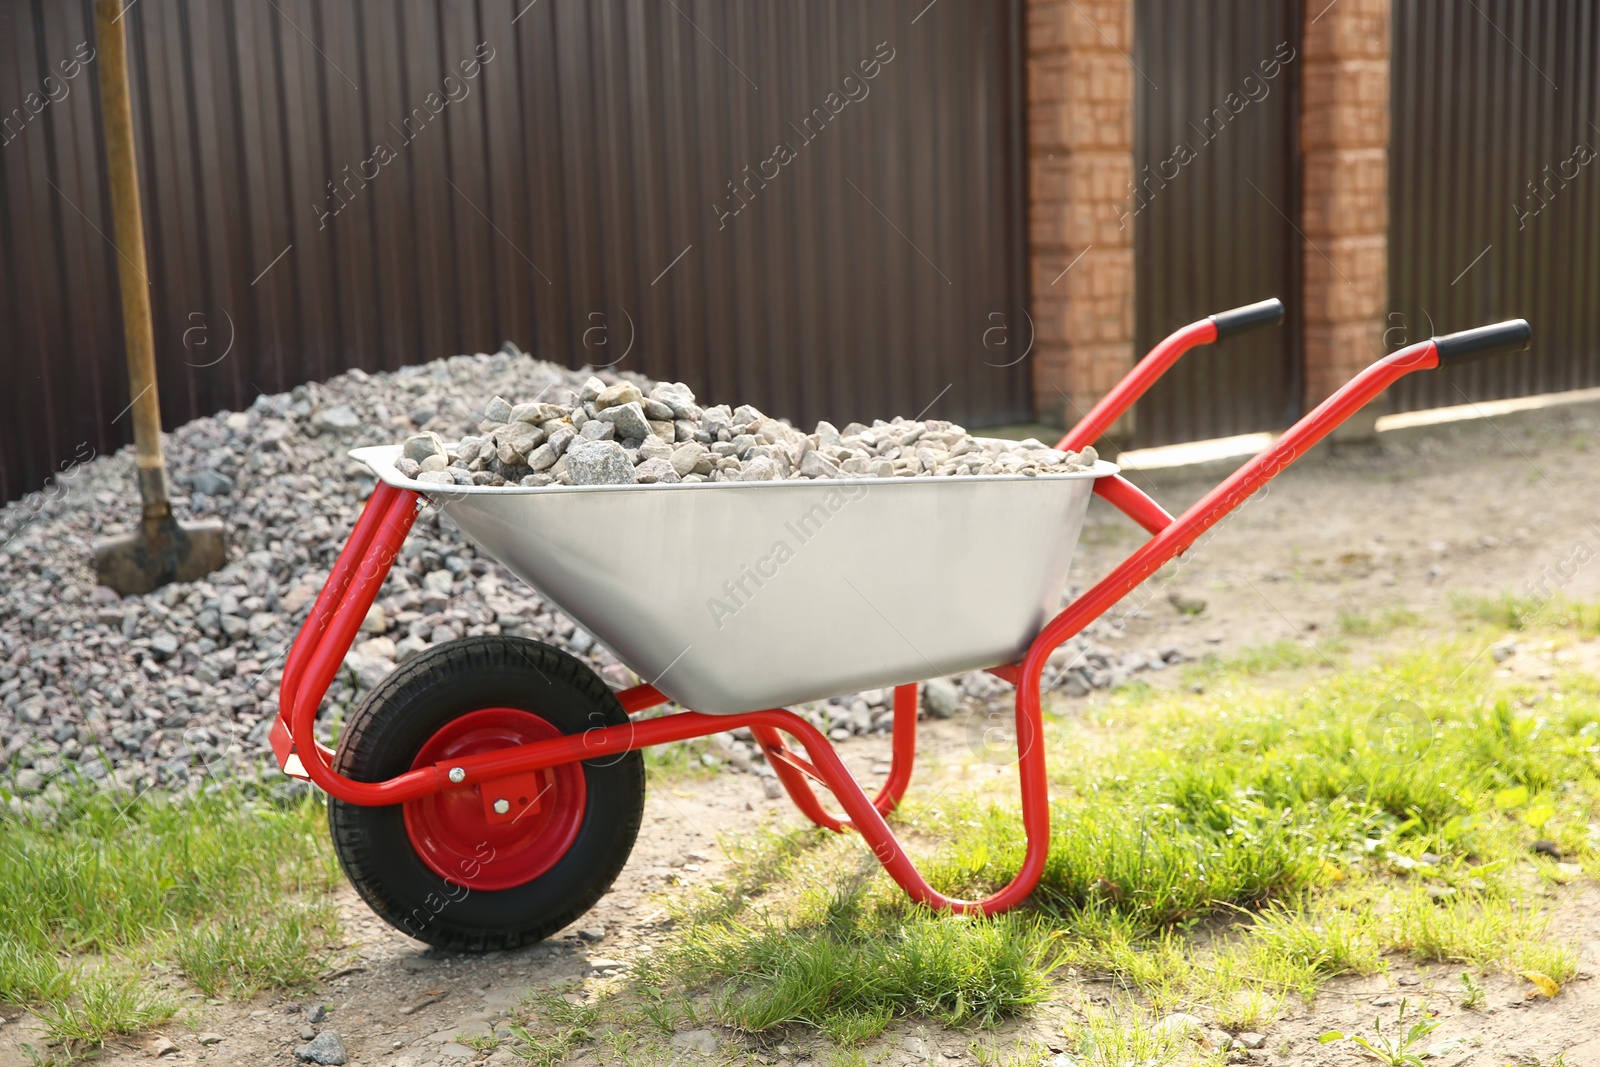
(161, 550)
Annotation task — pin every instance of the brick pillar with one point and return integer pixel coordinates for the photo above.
(1080, 166)
(1344, 131)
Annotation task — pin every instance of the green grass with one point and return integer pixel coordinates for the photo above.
(108, 890)
(1524, 612)
(1221, 853)
(1390, 619)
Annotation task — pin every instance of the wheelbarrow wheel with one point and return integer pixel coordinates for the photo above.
(436, 868)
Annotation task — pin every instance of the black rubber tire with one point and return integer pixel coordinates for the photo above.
(390, 727)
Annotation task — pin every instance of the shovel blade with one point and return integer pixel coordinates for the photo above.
(160, 552)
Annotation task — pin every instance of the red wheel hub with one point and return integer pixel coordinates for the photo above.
(450, 831)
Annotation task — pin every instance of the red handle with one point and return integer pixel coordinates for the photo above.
(1160, 360)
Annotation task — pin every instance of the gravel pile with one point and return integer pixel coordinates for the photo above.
(620, 434)
(181, 684)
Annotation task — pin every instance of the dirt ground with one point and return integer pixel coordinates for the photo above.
(1478, 508)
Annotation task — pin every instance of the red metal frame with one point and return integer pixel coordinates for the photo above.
(353, 584)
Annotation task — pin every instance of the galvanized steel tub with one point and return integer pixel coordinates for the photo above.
(740, 596)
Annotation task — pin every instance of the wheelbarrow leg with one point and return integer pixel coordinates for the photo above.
(863, 815)
(794, 776)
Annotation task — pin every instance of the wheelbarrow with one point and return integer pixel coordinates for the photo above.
(489, 790)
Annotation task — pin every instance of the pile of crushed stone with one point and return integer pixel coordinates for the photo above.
(620, 434)
(173, 687)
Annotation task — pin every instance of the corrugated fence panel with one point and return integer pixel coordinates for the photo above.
(1495, 190)
(1216, 189)
(708, 190)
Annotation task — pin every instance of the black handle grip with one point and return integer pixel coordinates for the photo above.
(1237, 321)
(1455, 348)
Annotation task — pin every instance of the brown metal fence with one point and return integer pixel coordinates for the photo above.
(1495, 189)
(815, 208)
(1216, 186)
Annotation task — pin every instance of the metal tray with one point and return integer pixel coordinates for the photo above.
(736, 596)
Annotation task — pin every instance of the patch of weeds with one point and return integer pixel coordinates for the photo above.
(1325, 943)
(554, 1029)
(106, 883)
(1398, 1048)
(1390, 619)
(1107, 1038)
(849, 967)
(105, 1002)
(1480, 931)
(1021, 1054)
(1523, 612)
(683, 759)
(756, 860)
(668, 1014)
(242, 956)
(1283, 655)
(1222, 851)
(1473, 994)
(31, 976)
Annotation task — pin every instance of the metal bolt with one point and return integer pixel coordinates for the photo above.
(458, 774)
(502, 806)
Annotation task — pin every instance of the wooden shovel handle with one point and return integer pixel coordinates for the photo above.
(117, 115)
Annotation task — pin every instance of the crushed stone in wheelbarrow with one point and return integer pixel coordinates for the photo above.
(618, 435)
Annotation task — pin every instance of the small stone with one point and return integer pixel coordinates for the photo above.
(628, 421)
(772, 788)
(296, 598)
(1185, 604)
(542, 458)
(163, 644)
(599, 463)
(691, 457)
(210, 482)
(561, 438)
(759, 469)
(655, 470)
(536, 413)
(1249, 1039)
(208, 1038)
(1220, 1040)
(593, 933)
(941, 698)
(317, 1013)
(335, 419)
(454, 1050)
(421, 446)
(703, 1042)
(498, 410)
(161, 1046)
(620, 394)
(376, 622)
(816, 465)
(595, 430)
(1384, 1001)
(654, 448)
(515, 441)
(326, 1048)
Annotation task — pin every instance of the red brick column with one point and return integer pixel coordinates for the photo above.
(1344, 131)
(1080, 164)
